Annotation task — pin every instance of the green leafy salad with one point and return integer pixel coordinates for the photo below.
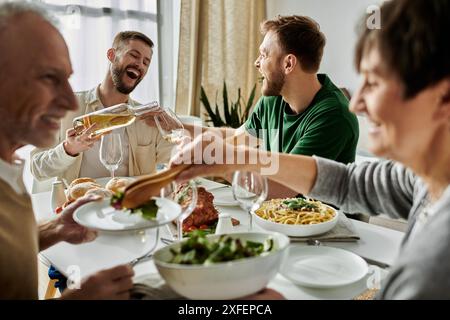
(148, 210)
(199, 249)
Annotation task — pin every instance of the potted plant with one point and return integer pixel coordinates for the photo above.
(235, 112)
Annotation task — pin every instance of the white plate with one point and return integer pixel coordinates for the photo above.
(323, 267)
(101, 216)
(224, 197)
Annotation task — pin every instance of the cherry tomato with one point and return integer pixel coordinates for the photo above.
(58, 210)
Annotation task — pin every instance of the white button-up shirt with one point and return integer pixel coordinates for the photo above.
(91, 165)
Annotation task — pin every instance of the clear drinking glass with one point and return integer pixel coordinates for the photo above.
(250, 190)
(169, 125)
(111, 152)
(186, 196)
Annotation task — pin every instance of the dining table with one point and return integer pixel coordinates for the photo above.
(379, 245)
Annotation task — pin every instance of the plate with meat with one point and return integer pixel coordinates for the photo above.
(205, 214)
(223, 194)
(108, 214)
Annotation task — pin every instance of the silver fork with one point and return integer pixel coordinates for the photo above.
(148, 255)
(313, 242)
(142, 258)
(167, 241)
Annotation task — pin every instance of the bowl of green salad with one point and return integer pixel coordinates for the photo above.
(217, 267)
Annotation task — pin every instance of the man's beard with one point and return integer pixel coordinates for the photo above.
(275, 85)
(117, 76)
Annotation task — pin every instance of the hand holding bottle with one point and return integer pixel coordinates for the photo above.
(79, 141)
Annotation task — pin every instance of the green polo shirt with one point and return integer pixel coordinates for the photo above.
(325, 128)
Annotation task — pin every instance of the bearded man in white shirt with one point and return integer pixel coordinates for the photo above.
(76, 154)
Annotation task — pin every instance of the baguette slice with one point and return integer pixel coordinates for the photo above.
(143, 189)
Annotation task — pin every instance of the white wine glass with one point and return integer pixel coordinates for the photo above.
(250, 190)
(169, 125)
(111, 152)
(186, 196)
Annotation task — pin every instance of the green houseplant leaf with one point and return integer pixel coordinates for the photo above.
(226, 105)
(249, 104)
(236, 119)
(216, 120)
(234, 112)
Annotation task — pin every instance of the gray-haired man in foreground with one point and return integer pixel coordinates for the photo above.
(34, 95)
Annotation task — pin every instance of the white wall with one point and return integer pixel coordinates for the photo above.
(338, 20)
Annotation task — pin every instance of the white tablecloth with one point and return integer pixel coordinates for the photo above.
(106, 251)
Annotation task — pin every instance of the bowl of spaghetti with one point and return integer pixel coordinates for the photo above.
(296, 217)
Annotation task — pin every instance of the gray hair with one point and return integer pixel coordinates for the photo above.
(11, 9)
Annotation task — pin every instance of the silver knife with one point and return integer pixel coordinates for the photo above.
(380, 264)
(217, 188)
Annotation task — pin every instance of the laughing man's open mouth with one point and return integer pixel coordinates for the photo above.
(133, 73)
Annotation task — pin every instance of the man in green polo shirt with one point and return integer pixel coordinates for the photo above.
(325, 127)
(301, 112)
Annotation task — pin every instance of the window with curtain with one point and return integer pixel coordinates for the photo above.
(89, 27)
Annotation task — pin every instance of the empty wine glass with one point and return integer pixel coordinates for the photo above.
(186, 196)
(111, 152)
(250, 190)
(169, 125)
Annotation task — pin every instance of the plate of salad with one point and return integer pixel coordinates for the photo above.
(108, 214)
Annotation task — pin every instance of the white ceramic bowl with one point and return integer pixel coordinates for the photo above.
(225, 280)
(298, 230)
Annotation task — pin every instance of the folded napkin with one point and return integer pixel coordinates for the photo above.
(344, 231)
(153, 287)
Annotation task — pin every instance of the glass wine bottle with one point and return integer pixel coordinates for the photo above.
(117, 116)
